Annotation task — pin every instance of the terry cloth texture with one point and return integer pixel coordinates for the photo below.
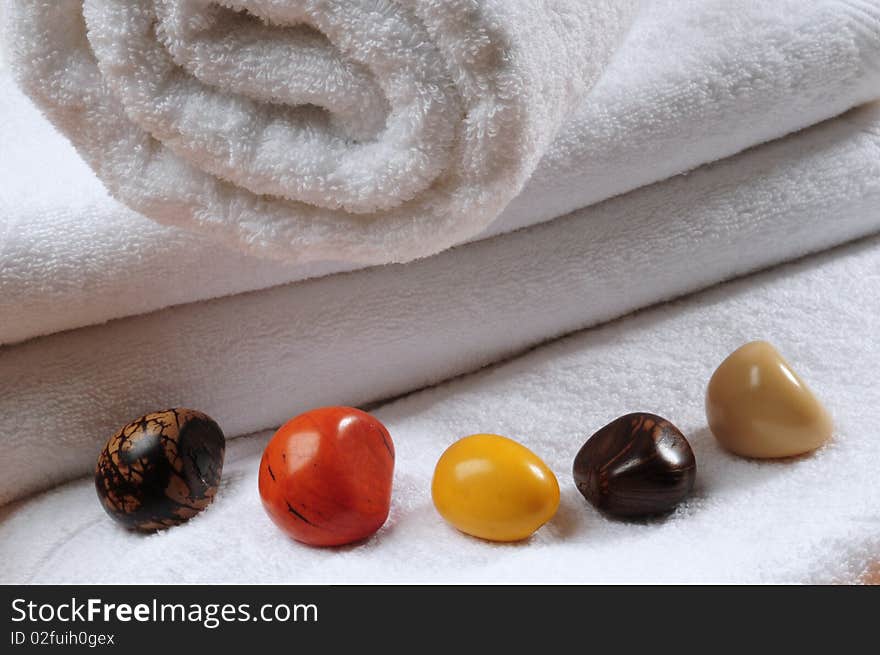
(184, 110)
(811, 519)
(354, 129)
(253, 360)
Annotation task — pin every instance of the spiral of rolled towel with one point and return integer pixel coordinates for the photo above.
(371, 131)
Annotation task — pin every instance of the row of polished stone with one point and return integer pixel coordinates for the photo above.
(326, 476)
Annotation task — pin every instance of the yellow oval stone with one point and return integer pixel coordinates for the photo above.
(494, 488)
(757, 406)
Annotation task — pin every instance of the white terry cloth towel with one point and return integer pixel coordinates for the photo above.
(315, 129)
(810, 519)
(253, 360)
(693, 81)
(721, 76)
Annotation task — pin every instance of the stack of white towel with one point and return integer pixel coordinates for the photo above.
(329, 136)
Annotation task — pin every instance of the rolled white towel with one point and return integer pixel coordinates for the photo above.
(722, 75)
(360, 130)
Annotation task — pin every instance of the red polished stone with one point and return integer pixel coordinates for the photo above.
(325, 477)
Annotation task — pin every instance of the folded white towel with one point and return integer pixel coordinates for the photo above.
(253, 360)
(359, 130)
(695, 80)
(815, 519)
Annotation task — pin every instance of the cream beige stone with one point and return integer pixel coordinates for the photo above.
(757, 406)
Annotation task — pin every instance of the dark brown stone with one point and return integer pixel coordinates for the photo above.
(638, 465)
(161, 470)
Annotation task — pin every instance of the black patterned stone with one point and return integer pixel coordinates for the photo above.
(161, 470)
